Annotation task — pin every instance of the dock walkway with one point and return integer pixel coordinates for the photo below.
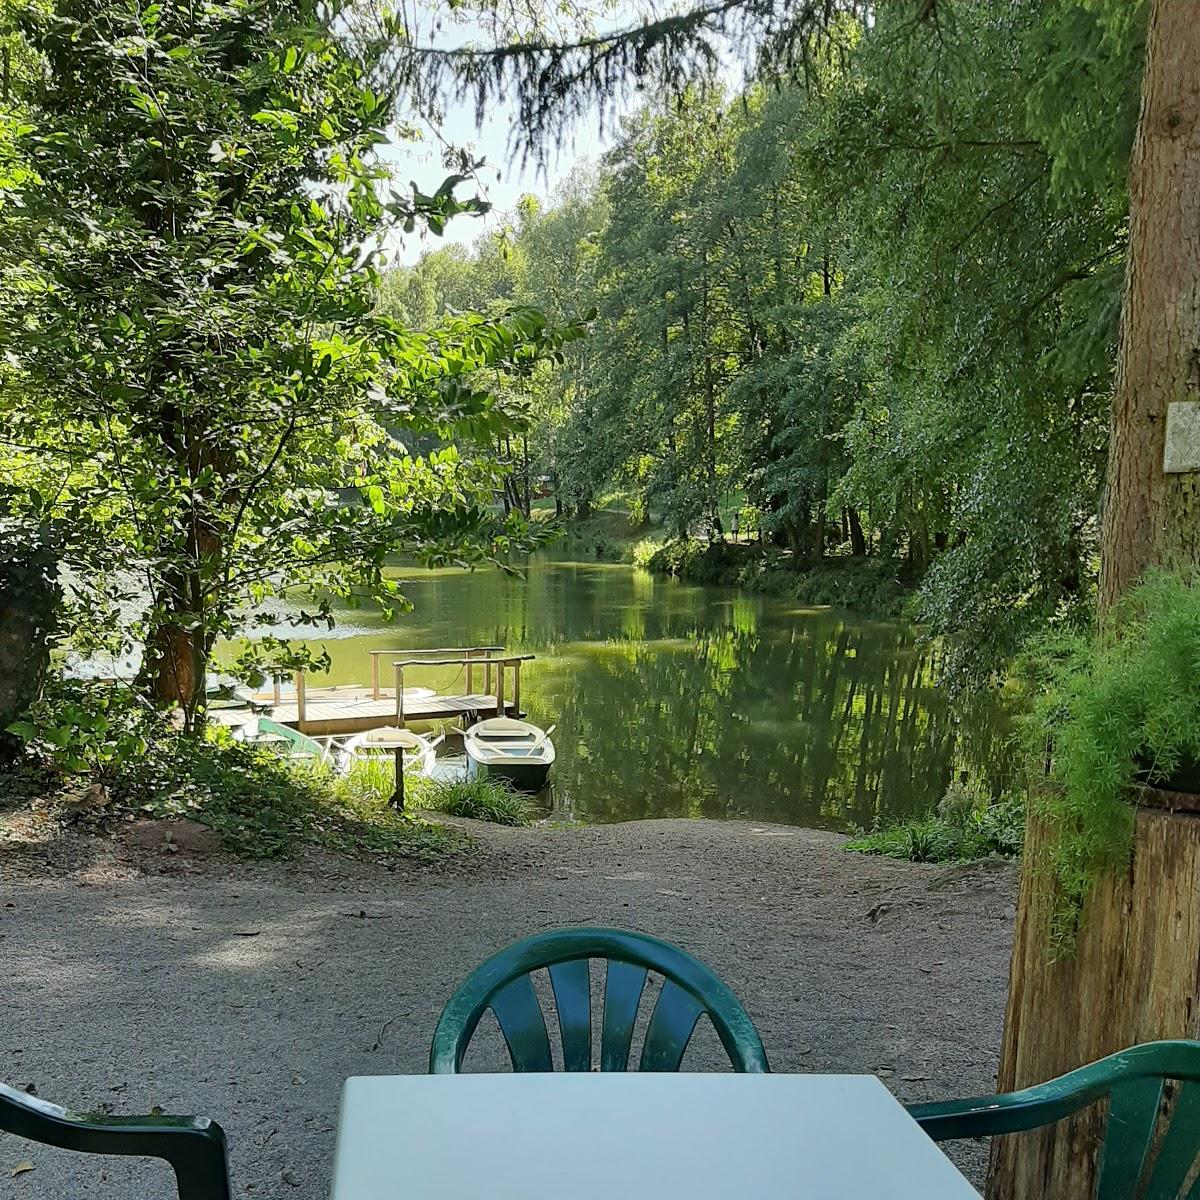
(350, 708)
(338, 711)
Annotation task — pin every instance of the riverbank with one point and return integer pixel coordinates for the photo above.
(249, 992)
(875, 586)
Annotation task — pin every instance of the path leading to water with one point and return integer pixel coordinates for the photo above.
(248, 993)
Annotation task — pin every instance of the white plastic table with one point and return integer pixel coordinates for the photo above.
(578, 1136)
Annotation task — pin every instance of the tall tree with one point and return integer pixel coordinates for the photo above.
(1152, 516)
(1135, 972)
(190, 329)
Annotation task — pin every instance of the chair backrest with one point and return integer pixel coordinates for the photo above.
(194, 1146)
(1152, 1135)
(503, 984)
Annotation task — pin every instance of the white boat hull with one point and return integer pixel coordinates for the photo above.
(512, 750)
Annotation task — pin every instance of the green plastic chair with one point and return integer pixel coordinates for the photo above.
(194, 1146)
(1134, 1081)
(502, 983)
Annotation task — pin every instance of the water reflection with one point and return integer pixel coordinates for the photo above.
(675, 700)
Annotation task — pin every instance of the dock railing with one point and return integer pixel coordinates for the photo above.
(508, 662)
(480, 654)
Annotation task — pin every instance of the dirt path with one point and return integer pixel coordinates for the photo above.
(249, 993)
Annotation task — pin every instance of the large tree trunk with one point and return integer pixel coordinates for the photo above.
(1151, 517)
(1134, 975)
(29, 600)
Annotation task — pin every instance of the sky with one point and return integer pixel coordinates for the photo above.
(502, 183)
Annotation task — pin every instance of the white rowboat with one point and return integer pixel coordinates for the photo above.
(508, 749)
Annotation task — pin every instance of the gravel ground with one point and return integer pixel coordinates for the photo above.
(133, 978)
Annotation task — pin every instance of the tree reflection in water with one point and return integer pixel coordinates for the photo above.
(675, 700)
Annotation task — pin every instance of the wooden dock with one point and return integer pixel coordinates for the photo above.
(355, 710)
(349, 709)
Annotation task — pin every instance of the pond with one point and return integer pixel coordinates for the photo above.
(675, 700)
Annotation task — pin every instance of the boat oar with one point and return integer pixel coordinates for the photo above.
(537, 745)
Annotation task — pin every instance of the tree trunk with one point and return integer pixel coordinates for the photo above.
(858, 540)
(1151, 517)
(1134, 975)
(710, 412)
(29, 598)
(174, 669)
(527, 506)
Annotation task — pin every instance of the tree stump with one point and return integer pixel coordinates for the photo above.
(1134, 977)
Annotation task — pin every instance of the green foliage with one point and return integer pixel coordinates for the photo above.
(198, 376)
(880, 308)
(966, 826)
(700, 562)
(88, 727)
(1116, 709)
(870, 585)
(491, 800)
(551, 255)
(648, 554)
(262, 805)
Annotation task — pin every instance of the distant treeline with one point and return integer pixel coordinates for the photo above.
(878, 308)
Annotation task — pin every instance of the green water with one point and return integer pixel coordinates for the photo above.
(675, 700)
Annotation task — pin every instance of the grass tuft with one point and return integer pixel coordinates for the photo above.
(492, 800)
(965, 827)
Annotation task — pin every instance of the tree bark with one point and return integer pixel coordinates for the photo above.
(1151, 518)
(1134, 977)
(1135, 973)
(858, 540)
(30, 596)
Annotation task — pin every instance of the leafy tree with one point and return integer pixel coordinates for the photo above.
(552, 255)
(878, 307)
(200, 375)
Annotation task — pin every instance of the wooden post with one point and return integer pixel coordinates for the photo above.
(1139, 924)
(397, 799)
(487, 674)
(276, 692)
(516, 662)
(400, 695)
(500, 687)
(374, 676)
(300, 705)
(470, 672)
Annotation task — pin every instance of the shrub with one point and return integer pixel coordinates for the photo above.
(645, 553)
(967, 825)
(491, 800)
(1116, 709)
(260, 804)
(872, 585)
